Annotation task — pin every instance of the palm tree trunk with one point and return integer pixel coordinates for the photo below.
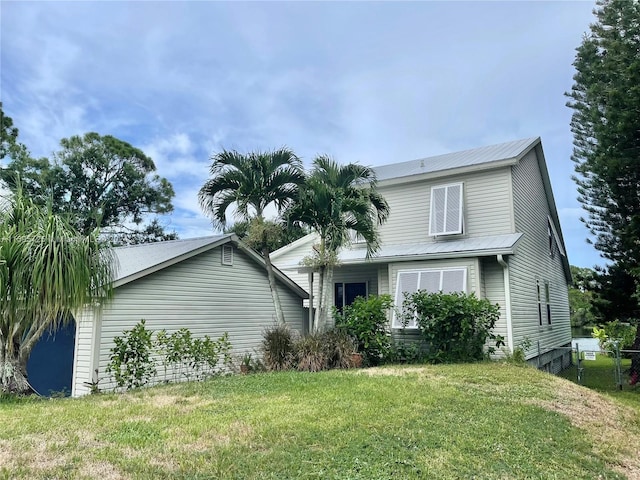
(13, 373)
(317, 314)
(30, 340)
(327, 295)
(273, 286)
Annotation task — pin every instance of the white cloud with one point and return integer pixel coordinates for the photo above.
(369, 82)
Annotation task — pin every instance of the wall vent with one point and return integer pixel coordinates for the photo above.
(227, 255)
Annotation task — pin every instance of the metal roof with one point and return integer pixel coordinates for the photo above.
(466, 158)
(474, 246)
(138, 258)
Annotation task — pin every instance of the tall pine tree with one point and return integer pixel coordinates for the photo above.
(605, 99)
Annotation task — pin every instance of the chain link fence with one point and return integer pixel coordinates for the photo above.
(605, 368)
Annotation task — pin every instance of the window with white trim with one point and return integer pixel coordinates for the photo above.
(447, 280)
(547, 297)
(227, 255)
(446, 210)
(554, 239)
(539, 302)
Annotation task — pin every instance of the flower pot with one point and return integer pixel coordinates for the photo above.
(356, 360)
(244, 369)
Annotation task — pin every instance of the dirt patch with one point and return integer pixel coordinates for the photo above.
(610, 424)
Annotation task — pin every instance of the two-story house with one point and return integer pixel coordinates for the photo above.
(482, 221)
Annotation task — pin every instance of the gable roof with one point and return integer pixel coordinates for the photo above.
(488, 156)
(137, 261)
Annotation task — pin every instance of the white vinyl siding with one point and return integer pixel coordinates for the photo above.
(533, 262)
(84, 357)
(446, 210)
(202, 295)
(433, 281)
(288, 261)
(493, 290)
(487, 207)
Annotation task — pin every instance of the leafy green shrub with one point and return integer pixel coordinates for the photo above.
(404, 351)
(278, 348)
(130, 361)
(193, 357)
(519, 354)
(615, 331)
(455, 326)
(366, 321)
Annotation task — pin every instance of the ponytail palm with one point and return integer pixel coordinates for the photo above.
(335, 201)
(249, 184)
(47, 272)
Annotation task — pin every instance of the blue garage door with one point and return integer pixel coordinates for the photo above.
(50, 366)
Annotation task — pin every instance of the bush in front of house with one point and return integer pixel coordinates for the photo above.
(283, 350)
(135, 354)
(455, 326)
(279, 348)
(325, 351)
(192, 358)
(131, 361)
(366, 320)
(311, 353)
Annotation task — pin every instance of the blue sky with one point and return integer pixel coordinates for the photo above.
(368, 82)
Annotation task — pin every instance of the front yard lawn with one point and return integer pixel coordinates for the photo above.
(485, 421)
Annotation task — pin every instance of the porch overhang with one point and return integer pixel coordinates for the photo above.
(486, 246)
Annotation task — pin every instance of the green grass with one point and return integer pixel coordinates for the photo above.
(599, 375)
(482, 421)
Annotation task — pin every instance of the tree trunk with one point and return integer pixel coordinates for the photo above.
(328, 294)
(274, 289)
(317, 314)
(13, 375)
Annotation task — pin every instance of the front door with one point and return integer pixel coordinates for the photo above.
(346, 293)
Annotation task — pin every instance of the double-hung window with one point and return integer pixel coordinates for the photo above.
(433, 281)
(446, 210)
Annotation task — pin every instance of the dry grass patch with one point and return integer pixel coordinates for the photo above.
(238, 432)
(609, 423)
(400, 371)
(99, 470)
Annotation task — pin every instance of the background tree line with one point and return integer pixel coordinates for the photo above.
(605, 99)
(96, 181)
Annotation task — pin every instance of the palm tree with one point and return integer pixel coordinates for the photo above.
(251, 183)
(47, 272)
(335, 201)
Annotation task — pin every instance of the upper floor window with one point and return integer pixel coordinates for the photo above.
(446, 210)
(554, 239)
(433, 281)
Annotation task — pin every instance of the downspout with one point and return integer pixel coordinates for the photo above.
(507, 300)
